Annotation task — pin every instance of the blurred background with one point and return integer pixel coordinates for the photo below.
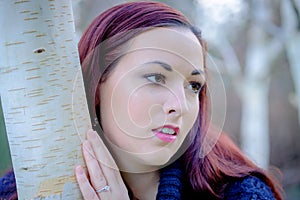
(253, 49)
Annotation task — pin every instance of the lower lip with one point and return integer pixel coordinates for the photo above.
(165, 137)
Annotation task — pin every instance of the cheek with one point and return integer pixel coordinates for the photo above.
(144, 108)
(191, 115)
(134, 109)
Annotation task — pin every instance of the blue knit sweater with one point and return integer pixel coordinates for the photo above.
(171, 187)
(248, 188)
(8, 189)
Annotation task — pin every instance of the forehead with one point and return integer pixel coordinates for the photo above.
(180, 42)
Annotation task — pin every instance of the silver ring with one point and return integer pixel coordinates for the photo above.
(104, 189)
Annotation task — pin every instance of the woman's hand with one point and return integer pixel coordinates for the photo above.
(104, 180)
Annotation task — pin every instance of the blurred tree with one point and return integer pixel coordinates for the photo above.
(252, 26)
(86, 10)
(42, 96)
(291, 24)
(262, 50)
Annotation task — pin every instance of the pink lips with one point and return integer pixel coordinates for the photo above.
(165, 136)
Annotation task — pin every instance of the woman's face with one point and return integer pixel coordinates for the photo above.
(150, 101)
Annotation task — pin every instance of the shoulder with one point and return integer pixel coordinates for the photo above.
(8, 188)
(249, 187)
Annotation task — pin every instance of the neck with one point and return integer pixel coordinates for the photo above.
(143, 185)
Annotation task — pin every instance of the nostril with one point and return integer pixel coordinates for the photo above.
(171, 111)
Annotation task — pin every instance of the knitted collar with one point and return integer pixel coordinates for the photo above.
(170, 185)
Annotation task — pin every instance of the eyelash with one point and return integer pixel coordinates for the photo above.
(156, 75)
(195, 83)
(161, 79)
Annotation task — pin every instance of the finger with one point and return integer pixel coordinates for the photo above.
(86, 189)
(96, 175)
(104, 157)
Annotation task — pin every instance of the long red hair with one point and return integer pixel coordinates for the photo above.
(225, 161)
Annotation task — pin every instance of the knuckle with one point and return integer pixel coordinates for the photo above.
(100, 178)
(89, 156)
(98, 181)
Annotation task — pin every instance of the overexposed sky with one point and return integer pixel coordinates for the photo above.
(225, 16)
(221, 11)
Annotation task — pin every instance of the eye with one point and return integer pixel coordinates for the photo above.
(195, 87)
(156, 78)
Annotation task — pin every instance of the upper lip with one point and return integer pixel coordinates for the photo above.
(175, 128)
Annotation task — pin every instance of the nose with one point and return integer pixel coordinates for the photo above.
(176, 103)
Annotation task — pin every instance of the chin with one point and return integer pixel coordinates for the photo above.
(144, 163)
(157, 159)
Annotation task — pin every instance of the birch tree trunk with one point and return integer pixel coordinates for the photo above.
(43, 96)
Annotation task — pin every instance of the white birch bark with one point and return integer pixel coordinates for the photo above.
(43, 97)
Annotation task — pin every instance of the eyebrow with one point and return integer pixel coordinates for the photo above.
(162, 64)
(169, 68)
(197, 72)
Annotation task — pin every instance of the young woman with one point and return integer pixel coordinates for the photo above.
(145, 77)
(144, 71)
